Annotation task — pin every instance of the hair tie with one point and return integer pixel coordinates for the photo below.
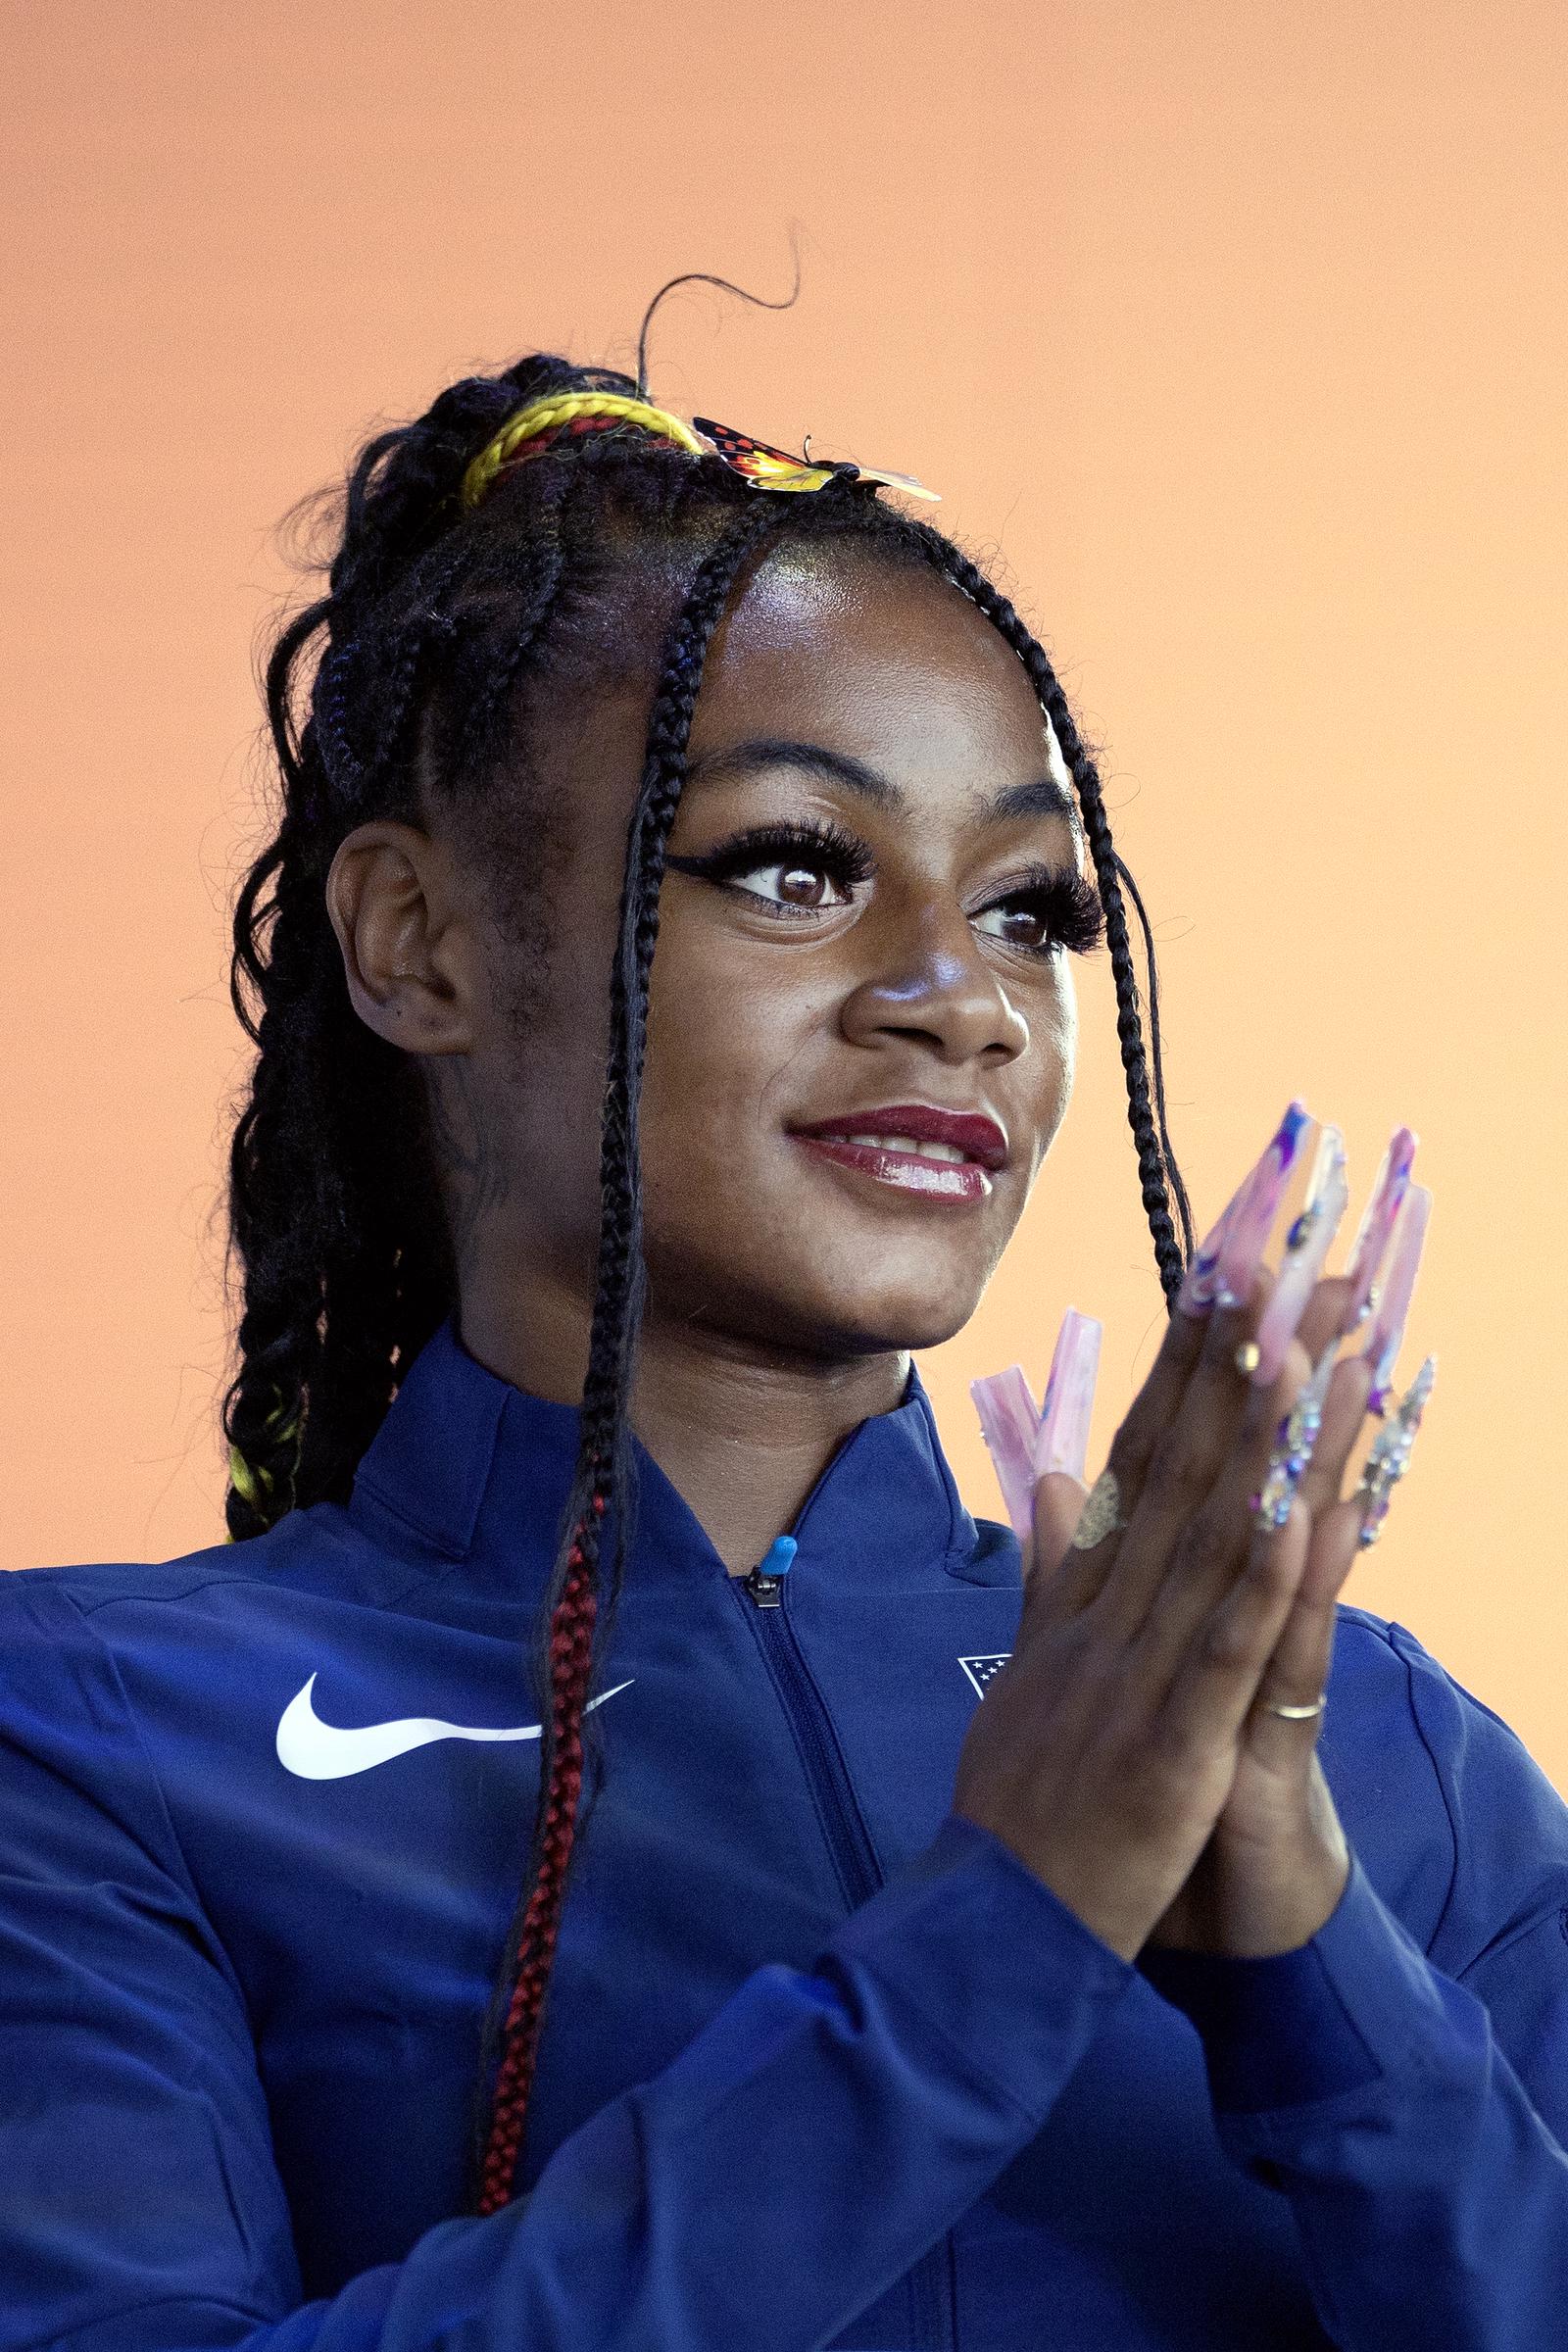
(555, 410)
(537, 425)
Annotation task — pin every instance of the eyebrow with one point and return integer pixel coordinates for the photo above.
(1045, 796)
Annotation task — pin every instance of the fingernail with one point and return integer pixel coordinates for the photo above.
(1387, 1328)
(1241, 1251)
(1390, 1458)
(1377, 1223)
(1294, 1441)
(1328, 1195)
(1197, 1294)
(1007, 1422)
(1063, 1443)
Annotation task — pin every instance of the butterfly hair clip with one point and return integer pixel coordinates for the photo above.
(768, 468)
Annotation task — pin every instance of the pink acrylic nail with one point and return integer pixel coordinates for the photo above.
(1064, 1439)
(1241, 1252)
(1009, 1422)
(1387, 1328)
(1328, 1195)
(1377, 1222)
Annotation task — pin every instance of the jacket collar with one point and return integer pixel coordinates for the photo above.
(479, 1470)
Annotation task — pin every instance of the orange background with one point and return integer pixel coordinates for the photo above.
(1233, 334)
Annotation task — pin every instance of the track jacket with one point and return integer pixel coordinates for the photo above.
(822, 2063)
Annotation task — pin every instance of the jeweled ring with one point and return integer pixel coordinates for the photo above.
(1101, 1515)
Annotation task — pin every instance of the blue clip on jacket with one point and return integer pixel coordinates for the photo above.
(822, 2065)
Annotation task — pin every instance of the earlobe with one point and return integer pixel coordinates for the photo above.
(388, 900)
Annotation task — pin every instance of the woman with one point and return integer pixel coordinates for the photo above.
(1143, 2004)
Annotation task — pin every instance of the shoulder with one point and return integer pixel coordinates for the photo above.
(319, 1549)
(1456, 1823)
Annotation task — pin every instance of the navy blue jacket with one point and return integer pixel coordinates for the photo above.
(822, 2065)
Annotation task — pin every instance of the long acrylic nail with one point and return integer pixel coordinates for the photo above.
(1197, 1294)
(1306, 1246)
(1241, 1251)
(1387, 1328)
(1390, 1458)
(1383, 1207)
(1063, 1443)
(1294, 1441)
(1007, 1422)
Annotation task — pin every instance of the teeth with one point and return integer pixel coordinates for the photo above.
(907, 1143)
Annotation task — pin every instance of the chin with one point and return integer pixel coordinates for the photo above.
(834, 1304)
(870, 1321)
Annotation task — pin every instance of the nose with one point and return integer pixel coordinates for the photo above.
(934, 983)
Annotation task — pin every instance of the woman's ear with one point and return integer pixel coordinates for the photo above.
(407, 955)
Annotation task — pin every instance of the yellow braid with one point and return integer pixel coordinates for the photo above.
(558, 407)
(251, 1483)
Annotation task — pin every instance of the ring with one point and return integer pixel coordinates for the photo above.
(1101, 1515)
(1300, 1714)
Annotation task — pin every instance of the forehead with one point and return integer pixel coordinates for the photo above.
(889, 665)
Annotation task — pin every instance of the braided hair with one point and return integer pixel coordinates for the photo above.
(408, 679)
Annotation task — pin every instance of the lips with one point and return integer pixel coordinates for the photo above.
(979, 1139)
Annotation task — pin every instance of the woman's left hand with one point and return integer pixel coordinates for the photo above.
(1278, 1860)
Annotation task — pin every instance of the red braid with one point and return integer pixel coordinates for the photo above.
(571, 1657)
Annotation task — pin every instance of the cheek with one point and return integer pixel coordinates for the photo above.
(721, 1029)
(1055, 1058)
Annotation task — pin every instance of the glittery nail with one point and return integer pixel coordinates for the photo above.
(1294, 1441)
(1390, 1458)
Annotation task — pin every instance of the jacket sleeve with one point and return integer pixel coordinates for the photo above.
(1414, 2106)
(141, 2209)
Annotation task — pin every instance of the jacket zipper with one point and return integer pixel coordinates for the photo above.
(930, 2279)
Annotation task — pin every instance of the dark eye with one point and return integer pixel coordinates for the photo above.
(1021, 926)
(1059, 911)
(800, 870)
(796, 882)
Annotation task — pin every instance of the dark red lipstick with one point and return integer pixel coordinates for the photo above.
(982, 1144)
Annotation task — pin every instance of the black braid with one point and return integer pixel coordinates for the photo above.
(1154, 1158)
(602, 1485)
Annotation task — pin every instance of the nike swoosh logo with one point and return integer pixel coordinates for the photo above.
(315, 1751)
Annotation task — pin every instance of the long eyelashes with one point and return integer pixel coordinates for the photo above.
(816, 844)
(1064, 905)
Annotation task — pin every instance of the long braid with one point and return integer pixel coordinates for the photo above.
(1152, 1149)
(600, 1481)
(333, 1202)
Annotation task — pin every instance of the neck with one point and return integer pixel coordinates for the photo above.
(743, 1432)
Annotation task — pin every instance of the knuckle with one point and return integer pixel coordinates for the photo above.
(1264, 1574)
(1132, 1447)
(1175, 1473)
(1227, 1641)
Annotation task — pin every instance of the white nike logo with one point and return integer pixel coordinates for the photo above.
(326, 1752)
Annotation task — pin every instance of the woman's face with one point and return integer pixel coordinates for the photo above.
(860, 983)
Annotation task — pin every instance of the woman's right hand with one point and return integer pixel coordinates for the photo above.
(1104, 1749)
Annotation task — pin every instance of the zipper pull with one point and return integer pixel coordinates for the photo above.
(766, 1580)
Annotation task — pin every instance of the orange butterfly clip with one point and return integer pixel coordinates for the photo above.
(768, 468)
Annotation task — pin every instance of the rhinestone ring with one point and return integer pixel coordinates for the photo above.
(1101, 1515)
